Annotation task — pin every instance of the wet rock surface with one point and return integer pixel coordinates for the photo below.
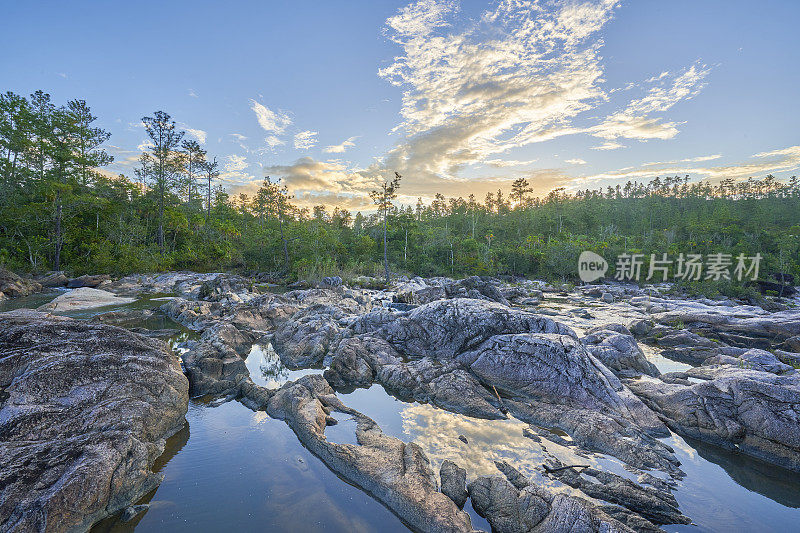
(85, 412)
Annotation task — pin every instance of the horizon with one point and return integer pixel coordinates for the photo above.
(459, 98)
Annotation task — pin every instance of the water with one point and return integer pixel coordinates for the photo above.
(230, 468)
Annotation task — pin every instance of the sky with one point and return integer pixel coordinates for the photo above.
(459, 97)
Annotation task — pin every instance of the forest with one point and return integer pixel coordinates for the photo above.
(58, 211)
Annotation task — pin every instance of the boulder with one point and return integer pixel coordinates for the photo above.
(84, 298)
(616, 348)
(13, 286)
(53, 279)
(756, 413)
(87, 281)
(215, 364)
(85, 411)
(454, 482)
(533, 508)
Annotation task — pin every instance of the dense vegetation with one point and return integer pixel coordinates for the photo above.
(57, 211)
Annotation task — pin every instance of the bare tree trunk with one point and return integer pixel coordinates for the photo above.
(385, 246)
(161, 221)
(58, 239)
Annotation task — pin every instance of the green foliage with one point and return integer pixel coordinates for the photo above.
(58, 211)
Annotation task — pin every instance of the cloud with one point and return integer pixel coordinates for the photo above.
(234, 163)
(340, 148)
(272, 141)
(608, 145)
(305, 140)
(270, 121)
(192, 93)
(200, 135)
(501, 163)
(575, 161)
(759, 165)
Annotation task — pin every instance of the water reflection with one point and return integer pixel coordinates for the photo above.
(244, 470)
(267, 370)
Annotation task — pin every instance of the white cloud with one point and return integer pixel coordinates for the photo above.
(270, 121)
(235, 163)
(200, 135)
(192, 93)
(340, 148)
(575, 161)
(272, 141)
(608, 145)
(305, 140)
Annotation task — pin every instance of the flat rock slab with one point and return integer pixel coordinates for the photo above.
(84, 298)
(84, 412)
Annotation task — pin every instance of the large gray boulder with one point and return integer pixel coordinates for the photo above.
(215, 364)
(84, 412)
(614, 346)
(756, 413)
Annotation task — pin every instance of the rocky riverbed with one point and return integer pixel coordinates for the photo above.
(594, 389)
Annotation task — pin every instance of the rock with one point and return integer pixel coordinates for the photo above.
(555, 369)
(215, 364)
(475, 287)
(303, 341)
(756, 413)
(87, 281)
(614, 346)
(754, 359)
(331, 281)
(640, 327)
(793, 343)
(533, 508)
(13, 286)
(659, 507)
(454, 483)
(600, 431)
(774, 288)
(362, 360)
(395, 473)
(745, 320)
(52, 279)
(446, 328)
(607, 297)
(84, 298)
(685, 346)
(87, 410)
(133, 511)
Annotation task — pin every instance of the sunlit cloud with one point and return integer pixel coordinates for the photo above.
(305, 140)
(575, 161)
(200, 135)
(340, 148)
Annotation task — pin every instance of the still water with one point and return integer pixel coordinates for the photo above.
(233, 469)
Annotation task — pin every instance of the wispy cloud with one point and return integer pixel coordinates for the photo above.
(575, 161)
(340, 148)
(200, 135)
(305, 140)
(608, 145)
(192, 93)
(270, 121)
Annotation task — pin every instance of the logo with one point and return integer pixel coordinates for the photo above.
(591, 266)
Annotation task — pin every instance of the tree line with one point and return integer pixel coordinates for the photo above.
(58, 210)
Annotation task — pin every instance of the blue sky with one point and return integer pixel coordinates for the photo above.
(460, 97)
